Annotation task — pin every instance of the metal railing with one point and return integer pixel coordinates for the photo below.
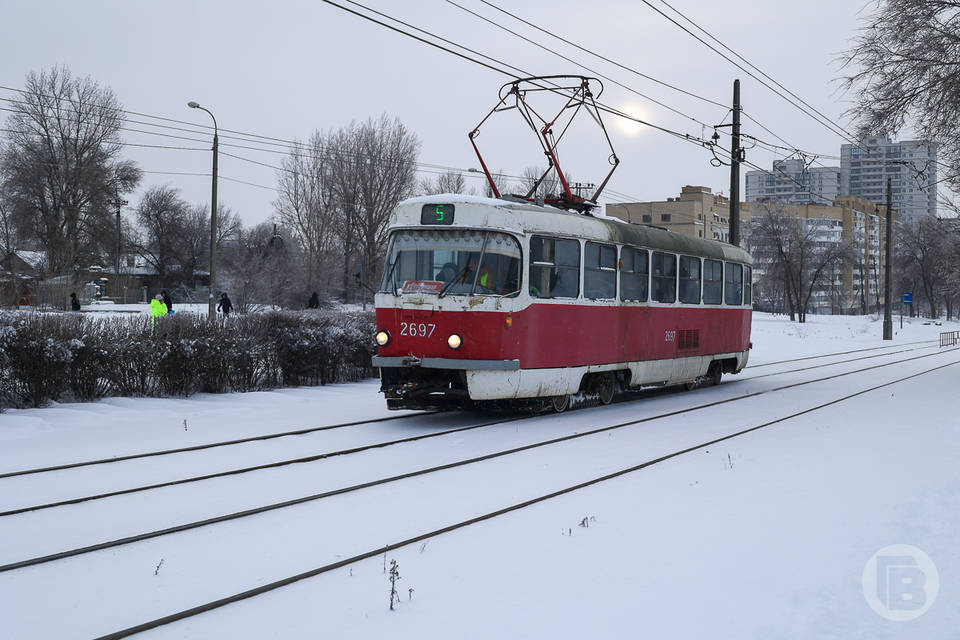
(949, 338)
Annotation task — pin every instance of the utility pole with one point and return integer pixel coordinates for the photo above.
(116, 280)
(211, 304)
(887, 271)
(736, 156)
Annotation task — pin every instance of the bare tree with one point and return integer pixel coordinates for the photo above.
(499, 179)
(304, 202)
(925, 248)
(532, 186)
(261, 268)
(373, 168)
(799, 252)
(162, 215)
(62, 168)
(904, 68)
(446, 182)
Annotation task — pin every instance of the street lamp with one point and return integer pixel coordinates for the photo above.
(213, 214)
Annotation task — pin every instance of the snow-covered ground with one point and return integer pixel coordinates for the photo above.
(762, 536)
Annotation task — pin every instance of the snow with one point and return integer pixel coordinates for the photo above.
(761, 536)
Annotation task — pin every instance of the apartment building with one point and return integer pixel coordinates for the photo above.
(696, 212)
(910, 164)
(792, 181)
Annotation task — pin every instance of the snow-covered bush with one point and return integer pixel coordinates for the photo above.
(46, 357)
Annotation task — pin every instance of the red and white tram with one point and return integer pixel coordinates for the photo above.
(493, 302)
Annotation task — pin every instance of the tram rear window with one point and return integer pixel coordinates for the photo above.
(747, 285)
(436, 214)
(733, 291)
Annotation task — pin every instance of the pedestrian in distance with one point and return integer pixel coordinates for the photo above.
(157, 309)
(74, 303)
(225, 305)
(314, 302)
(167, 300)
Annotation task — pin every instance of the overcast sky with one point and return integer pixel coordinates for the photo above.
(285, 68)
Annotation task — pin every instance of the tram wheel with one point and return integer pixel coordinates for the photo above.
(606, 388)
(560, 403)
(714, 373)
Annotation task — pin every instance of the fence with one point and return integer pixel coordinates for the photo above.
(949, 338)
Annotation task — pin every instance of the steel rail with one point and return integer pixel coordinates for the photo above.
(830, 364)
(365, 485)
(838, 353)
(211, 445)
(270, 436)
(377, 445)
(296, 432)
(243, 595)
(259, 467)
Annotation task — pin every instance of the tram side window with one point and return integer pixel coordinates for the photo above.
(554, 267)
(689, 280)
(599, 271)
(747, 285)
(664, 277)
(734, 284)
(712, 282)
(634, 272)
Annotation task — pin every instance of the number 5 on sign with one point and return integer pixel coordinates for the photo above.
(437, 214)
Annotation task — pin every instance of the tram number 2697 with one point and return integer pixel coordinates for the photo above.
(417, 329)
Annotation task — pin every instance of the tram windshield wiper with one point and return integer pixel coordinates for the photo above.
(456, 278)
(389, 277)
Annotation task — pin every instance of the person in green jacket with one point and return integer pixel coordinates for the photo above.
(157, 309)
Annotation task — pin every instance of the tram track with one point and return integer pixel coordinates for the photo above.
(421, 472)
(423, 537)
(356, 449)
(838, 353)
(408, 439)
(308, 430)
(830, 364)
(210, 445)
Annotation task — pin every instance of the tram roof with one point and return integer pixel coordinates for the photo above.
(525, 217)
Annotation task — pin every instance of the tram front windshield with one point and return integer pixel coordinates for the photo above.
(466, 261)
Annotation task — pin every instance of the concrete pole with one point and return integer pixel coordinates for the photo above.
(887, 270)
(212, 305)
(734, 217)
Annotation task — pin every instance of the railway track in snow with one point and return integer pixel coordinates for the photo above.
(427, 470)
(316, 429)
(349, 450)
(427, 535)
(837, 353)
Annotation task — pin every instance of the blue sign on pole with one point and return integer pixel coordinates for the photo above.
(908, 297)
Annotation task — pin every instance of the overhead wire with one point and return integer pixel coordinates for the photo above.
(579, 64)
(822, 119)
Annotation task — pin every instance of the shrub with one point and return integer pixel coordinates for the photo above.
(56, 356)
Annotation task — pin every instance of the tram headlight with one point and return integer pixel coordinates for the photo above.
(454, 341)
(382, 338)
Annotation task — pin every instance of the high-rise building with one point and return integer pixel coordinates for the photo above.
(910, 164)
(791, 181)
